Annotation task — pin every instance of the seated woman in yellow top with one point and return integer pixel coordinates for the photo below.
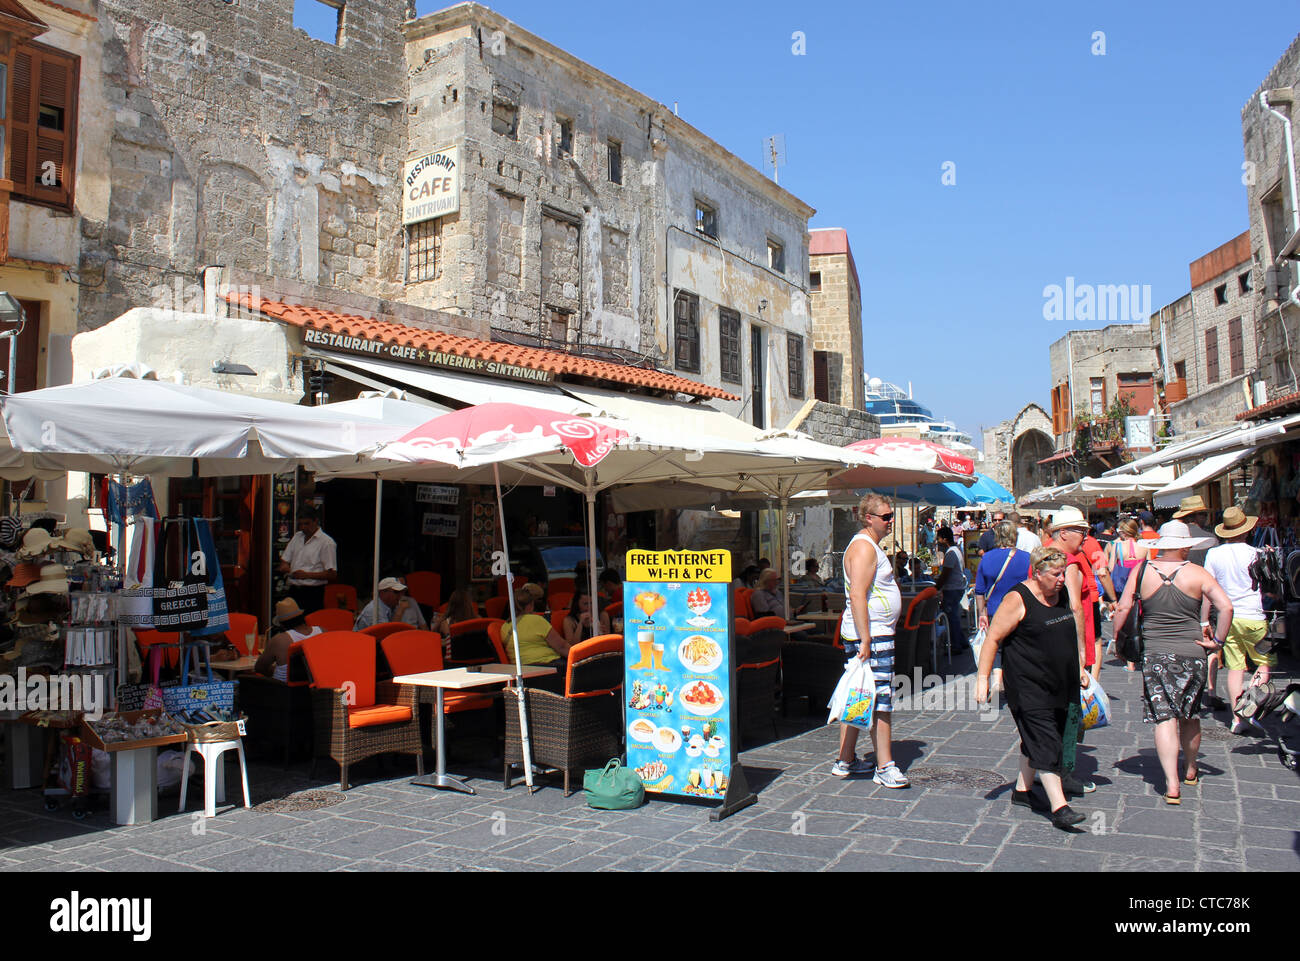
(539, 643)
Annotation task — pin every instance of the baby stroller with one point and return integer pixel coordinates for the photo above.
(1261, 700)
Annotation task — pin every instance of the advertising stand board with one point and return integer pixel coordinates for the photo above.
(679, 681)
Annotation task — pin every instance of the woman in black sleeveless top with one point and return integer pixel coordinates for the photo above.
(1041, 653)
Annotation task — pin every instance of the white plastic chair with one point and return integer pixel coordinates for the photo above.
(214, 772)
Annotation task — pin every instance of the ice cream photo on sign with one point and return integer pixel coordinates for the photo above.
(699, 602)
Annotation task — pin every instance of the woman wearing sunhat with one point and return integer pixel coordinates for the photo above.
(1229, 564)
(1173, 668)
(292, 626)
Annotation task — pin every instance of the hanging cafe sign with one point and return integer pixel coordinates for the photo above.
(406, 353)
(431, 186)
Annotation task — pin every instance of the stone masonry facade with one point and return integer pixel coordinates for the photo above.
(835, 299)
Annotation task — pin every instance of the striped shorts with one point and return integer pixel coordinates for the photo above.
(881, 663)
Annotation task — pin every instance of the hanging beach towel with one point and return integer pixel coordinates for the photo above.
(218, 621)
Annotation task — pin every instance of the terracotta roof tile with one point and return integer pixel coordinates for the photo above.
(535, 358)
(1279, 405)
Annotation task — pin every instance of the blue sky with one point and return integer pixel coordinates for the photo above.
(1113, 169)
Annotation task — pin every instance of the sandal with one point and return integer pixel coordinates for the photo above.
(1192, 778)
(1173, 799)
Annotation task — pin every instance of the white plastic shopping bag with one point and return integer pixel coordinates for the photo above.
(854, 700)
(1094, 706)
(977, 644)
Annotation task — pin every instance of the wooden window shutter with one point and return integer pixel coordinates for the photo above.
(821, 376)
(1236, 358)
(43, 105)
(1212, 355)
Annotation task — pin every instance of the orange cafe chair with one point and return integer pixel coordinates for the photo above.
(425, 587)
(355, 716)
(381, 631)
(557, 584)
(495, 607)
(559, 600)
(579, 728)
(520, 581)
(242, 627)
(471, 642)
(154, 645)
(418, 652)
(331, 619)
(341, 596)
(743, 607)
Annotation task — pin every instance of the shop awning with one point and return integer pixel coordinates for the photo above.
(1203, 473)
(460, 387)
(1234, 438)
(1059, 455)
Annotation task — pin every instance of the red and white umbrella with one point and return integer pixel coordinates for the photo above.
(908, 454)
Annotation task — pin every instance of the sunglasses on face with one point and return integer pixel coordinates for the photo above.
(887, 518)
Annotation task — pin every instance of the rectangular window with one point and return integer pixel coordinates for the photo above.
(1221, 294)
(1212, 355)
(729, 344)
(1097, 399)
(686, 332)
(1243, 282)
(775, 256)
(821, 375)
(559, 327)
(1276, 223)
(1180, 370)
(505, 119)
(564, 145)
(615, 162)
(757, 384)
(424, 251)
(706, 219)
(1281, 373)
(815, 281)
(43, 125)
(1236, 353)
(794, 364)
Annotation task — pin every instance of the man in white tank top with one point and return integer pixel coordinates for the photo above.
(872, 604)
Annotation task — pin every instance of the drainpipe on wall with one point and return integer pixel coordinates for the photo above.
(1294, 296)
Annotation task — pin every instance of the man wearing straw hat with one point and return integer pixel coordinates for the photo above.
(1229, 564)
(1193, 512)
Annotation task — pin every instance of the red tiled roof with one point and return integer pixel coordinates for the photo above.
(832, 240)
(532, 357)
(1279, 405)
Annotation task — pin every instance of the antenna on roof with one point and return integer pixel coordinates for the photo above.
(774, 151)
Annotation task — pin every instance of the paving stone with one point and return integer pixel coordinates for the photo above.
(777, 842)
(782, 863)
(1272, 859)
(143, 864)
(1036, 859)
(1120, 862)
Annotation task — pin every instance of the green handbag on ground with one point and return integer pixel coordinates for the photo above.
(613, 787)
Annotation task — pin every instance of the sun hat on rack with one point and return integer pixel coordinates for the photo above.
(75, 539)
(1235, 523)
(24, 574)
(1174, 536)
(35, 542)
(11, 532)
(53, 580)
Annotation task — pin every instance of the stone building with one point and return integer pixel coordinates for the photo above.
(1091, 370)
(835, 298)
(1015, 448)
(1206, 344)
(1271, 183)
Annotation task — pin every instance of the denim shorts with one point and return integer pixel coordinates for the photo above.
(881, 663)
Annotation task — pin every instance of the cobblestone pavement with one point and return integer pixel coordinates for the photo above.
(956, 815)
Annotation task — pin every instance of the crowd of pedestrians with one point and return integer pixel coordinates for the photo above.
(1040, 605)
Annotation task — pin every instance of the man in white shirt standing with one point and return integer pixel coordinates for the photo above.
(1229, 564)
(393, 604)
(1026, 540)
(311, 561)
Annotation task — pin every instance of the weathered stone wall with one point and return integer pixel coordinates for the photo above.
(837, 327)
(1105, 353)
(1263, 136)
(1013, 448)
(1212, 408)
(837, 426)
(240, 141)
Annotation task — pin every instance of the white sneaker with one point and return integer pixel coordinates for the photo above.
(890, 776)
(1249, 727)
(859, 765)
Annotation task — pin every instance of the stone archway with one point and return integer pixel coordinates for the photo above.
(1026, 451)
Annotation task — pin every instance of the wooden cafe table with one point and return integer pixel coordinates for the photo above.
(461, 679)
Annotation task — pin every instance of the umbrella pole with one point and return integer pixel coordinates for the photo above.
(379, 503)
(783, 502)
(590, 494)
(514, 630)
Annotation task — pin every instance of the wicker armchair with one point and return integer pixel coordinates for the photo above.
(279, 712)
(356, 717)
(810, 670)
(758, 672)
(582, 727)
(472, 643)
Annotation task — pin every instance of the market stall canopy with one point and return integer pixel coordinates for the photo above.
(1203, 473)
(1240, 437)
(129, 425)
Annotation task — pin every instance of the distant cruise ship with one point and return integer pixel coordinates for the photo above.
(902, 416)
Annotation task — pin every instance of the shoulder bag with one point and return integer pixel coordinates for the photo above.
(1128, 636)
(613, 788)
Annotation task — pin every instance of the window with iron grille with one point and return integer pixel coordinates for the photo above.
(424, 251)
(794, 364)
(686, 334)
(1212, 355)
(729, 343)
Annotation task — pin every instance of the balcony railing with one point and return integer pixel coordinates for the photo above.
(1099, 435)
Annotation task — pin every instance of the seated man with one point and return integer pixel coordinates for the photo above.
(810, 577)
(393, 604)
(766, 600)
(292, 624)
